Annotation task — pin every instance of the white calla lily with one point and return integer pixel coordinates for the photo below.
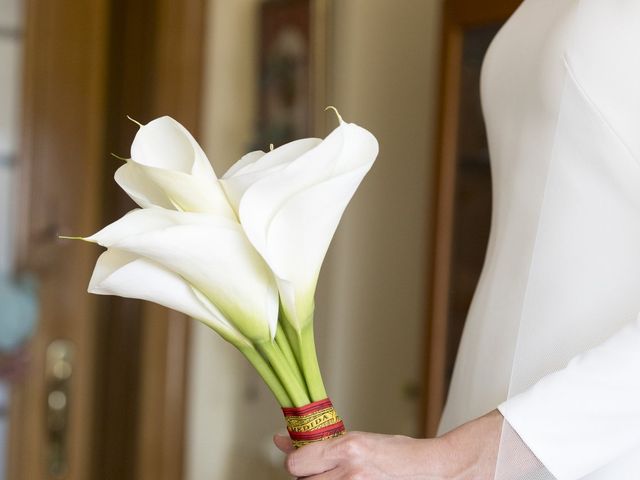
(257, 165)
(127, 275)
(291, 214)
(169, 169)
(290, 202)
(209, 252)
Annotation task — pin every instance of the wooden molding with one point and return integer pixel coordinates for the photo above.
(442, 228)
(466, 13)
(458, 15)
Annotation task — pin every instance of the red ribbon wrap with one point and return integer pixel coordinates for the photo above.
(313, 423)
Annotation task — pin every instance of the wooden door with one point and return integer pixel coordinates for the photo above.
(117, 409)
(63, 143)
(462, 189)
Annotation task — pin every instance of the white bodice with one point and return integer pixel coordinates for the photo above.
(561, 100)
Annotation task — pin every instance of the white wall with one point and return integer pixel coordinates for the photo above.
(385, 69)
(10, 62)
(370, 305)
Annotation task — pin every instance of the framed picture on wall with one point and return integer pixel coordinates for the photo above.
(292, 80)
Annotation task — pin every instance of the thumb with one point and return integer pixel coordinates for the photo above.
(283, 442)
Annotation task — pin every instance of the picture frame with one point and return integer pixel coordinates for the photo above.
(292, 86)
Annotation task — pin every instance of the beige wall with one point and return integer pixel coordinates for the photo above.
(370, 303)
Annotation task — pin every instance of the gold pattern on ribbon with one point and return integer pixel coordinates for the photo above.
(311, 422)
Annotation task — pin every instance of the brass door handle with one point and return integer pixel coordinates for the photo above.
(59, 371)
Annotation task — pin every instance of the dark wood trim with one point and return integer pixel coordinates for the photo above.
(178, 75)
(119, 325)
(474, 13)
(155, 69)
(442, 227)
(457, 15)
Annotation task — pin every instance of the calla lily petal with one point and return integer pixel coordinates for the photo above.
(261, 201)
(217, 259)
(190, 193)
(168, 156)
(280, 156)
(297, 253)
(257, 165)
(291, 217)
(126, 275)
(164, 143)
(245, 160)
(140, 188)
(210, 252)
(140, 221)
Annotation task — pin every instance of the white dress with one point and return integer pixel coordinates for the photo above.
(553, 336)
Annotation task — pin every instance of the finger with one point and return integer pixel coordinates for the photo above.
(284, 443)
(312, 459)
(335, 474)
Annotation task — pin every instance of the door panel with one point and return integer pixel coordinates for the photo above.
(104, 393)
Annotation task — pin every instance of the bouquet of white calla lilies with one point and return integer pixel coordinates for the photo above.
(241, 254)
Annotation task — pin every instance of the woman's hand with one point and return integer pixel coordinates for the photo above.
(467, 453)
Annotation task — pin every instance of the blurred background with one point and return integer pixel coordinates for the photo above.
(104, 388)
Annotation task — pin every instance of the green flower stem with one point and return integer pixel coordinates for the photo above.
(259, 363)
(285, 347)
(276, 358)
(310, 367)
(293, 337)
(267, 375)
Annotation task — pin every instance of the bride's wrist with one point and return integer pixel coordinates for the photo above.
(472, 449)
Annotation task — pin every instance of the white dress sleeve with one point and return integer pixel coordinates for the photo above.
(586, 415)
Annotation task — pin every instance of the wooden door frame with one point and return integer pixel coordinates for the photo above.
(72, 58)
(458, 15)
